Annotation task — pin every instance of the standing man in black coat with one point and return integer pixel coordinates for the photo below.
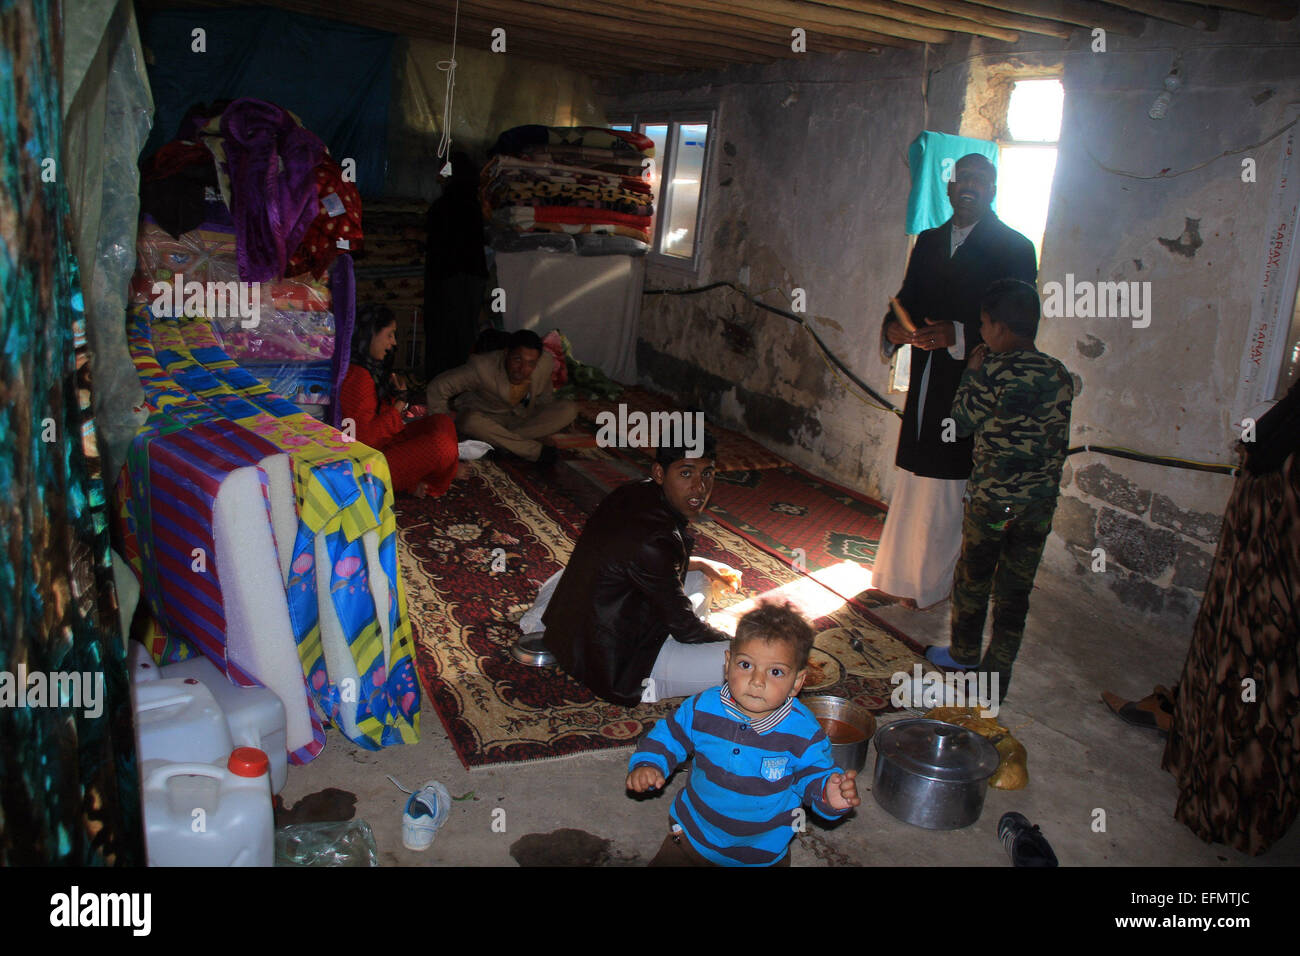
(950, 268)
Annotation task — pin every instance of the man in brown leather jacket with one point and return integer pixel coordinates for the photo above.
(620, 620)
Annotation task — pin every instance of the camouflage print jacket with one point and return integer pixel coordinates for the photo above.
(1017, 405)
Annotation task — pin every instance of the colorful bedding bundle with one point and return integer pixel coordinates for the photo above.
(228, 486)
(571, 180)
(291, 346)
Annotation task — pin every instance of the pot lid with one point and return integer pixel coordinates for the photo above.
(937, 750)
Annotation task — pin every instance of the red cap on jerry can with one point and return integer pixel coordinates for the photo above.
(248, 762)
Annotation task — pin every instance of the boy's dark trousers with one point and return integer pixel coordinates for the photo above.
(1000, 549)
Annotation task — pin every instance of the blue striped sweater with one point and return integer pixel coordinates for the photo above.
(738, 807)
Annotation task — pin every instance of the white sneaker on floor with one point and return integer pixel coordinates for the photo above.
(426, 811)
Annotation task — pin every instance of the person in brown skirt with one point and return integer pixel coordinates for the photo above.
(1234, 744)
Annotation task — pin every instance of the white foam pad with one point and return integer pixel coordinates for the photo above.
(259, 635)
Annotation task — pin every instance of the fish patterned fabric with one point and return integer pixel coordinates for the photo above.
(1017, 404)
(342, 492)
(69, 788)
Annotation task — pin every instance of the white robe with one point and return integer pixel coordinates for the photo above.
(921, 542)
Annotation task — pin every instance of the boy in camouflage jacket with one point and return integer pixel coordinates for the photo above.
(1016, 402)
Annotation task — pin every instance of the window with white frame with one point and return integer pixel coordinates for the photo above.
(677, 175)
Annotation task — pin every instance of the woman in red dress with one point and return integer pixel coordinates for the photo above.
(422, 454)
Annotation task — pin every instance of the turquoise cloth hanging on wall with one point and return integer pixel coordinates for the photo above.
(932, 157)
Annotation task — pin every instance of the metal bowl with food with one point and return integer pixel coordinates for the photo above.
(848, 725)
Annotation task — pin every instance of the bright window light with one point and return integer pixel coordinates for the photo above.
(1025, 171)
(1034, 114)
(1024, 187)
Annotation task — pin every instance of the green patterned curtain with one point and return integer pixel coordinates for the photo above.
(68, 784)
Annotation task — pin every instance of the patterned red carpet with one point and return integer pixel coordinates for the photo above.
(781, 509)
(472, 561)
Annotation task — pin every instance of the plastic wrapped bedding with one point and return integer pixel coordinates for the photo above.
(207, 254)
(281, 336)
(303, 384)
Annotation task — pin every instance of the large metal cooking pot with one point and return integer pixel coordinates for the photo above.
(932, 774)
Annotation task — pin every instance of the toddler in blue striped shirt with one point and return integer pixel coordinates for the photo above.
(759, 753)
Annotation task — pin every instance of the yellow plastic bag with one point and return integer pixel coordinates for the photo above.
(1013, 765)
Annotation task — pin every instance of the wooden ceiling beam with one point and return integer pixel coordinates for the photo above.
(997, 18)
(726, 23)
(560, 38)
(638, 24)
(781, 21)
(1190, 15)
(1084, 13)
(922, 18)
(1273, 9)
(805, 14)
(476, 33)
(614, 35)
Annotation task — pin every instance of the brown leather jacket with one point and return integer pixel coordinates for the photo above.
(621, 595)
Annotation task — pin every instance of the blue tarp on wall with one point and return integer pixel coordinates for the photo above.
(337, 78)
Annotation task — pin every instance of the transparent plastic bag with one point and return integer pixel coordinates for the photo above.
(348, 843)
(281, 336)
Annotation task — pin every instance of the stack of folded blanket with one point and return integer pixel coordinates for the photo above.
(245, 193)
(569, 189)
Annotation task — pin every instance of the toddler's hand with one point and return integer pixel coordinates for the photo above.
(842, 791)
(976, 358)
(645, 778)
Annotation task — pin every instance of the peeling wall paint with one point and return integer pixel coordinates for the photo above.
(810, 192)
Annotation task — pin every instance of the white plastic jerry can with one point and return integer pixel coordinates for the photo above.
(140, 663)
(178, 720)
(199, 814)
(255, 715)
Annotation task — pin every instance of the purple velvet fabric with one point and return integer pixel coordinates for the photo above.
(343, 300)
(272, 162)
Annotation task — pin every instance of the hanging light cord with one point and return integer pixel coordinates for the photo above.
(449, 67)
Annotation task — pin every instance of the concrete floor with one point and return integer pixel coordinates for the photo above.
(1081, 759)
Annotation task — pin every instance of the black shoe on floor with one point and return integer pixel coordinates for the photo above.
(1025, 844)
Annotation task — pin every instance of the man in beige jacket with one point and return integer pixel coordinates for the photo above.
(505, 398)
